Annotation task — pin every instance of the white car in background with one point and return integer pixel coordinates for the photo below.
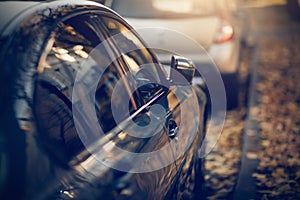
(209, 22)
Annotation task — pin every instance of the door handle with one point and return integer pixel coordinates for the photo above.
(173, 129)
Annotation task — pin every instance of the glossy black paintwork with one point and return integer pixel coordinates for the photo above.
(73, 173)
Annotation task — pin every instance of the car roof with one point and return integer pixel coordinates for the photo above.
(9, 10)
(13, 13)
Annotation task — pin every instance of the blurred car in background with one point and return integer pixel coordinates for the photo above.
(45, 48)
(211, 23)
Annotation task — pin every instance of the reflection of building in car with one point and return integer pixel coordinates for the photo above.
(67, 107)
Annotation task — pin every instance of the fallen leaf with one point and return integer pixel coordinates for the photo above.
(251, 155)
(261, 177)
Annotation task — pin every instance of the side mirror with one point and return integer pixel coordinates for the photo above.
(182, 70)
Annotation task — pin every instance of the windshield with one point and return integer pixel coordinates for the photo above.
(164, 8)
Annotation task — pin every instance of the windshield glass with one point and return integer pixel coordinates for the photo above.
(164, 8)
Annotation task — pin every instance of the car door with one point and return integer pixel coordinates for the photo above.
(75, 130)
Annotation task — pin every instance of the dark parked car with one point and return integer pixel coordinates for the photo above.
(87, 111)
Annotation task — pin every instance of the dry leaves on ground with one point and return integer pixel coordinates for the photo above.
(222, 164)
(278, 172)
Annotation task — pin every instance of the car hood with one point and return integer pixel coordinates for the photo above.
(161, 31)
